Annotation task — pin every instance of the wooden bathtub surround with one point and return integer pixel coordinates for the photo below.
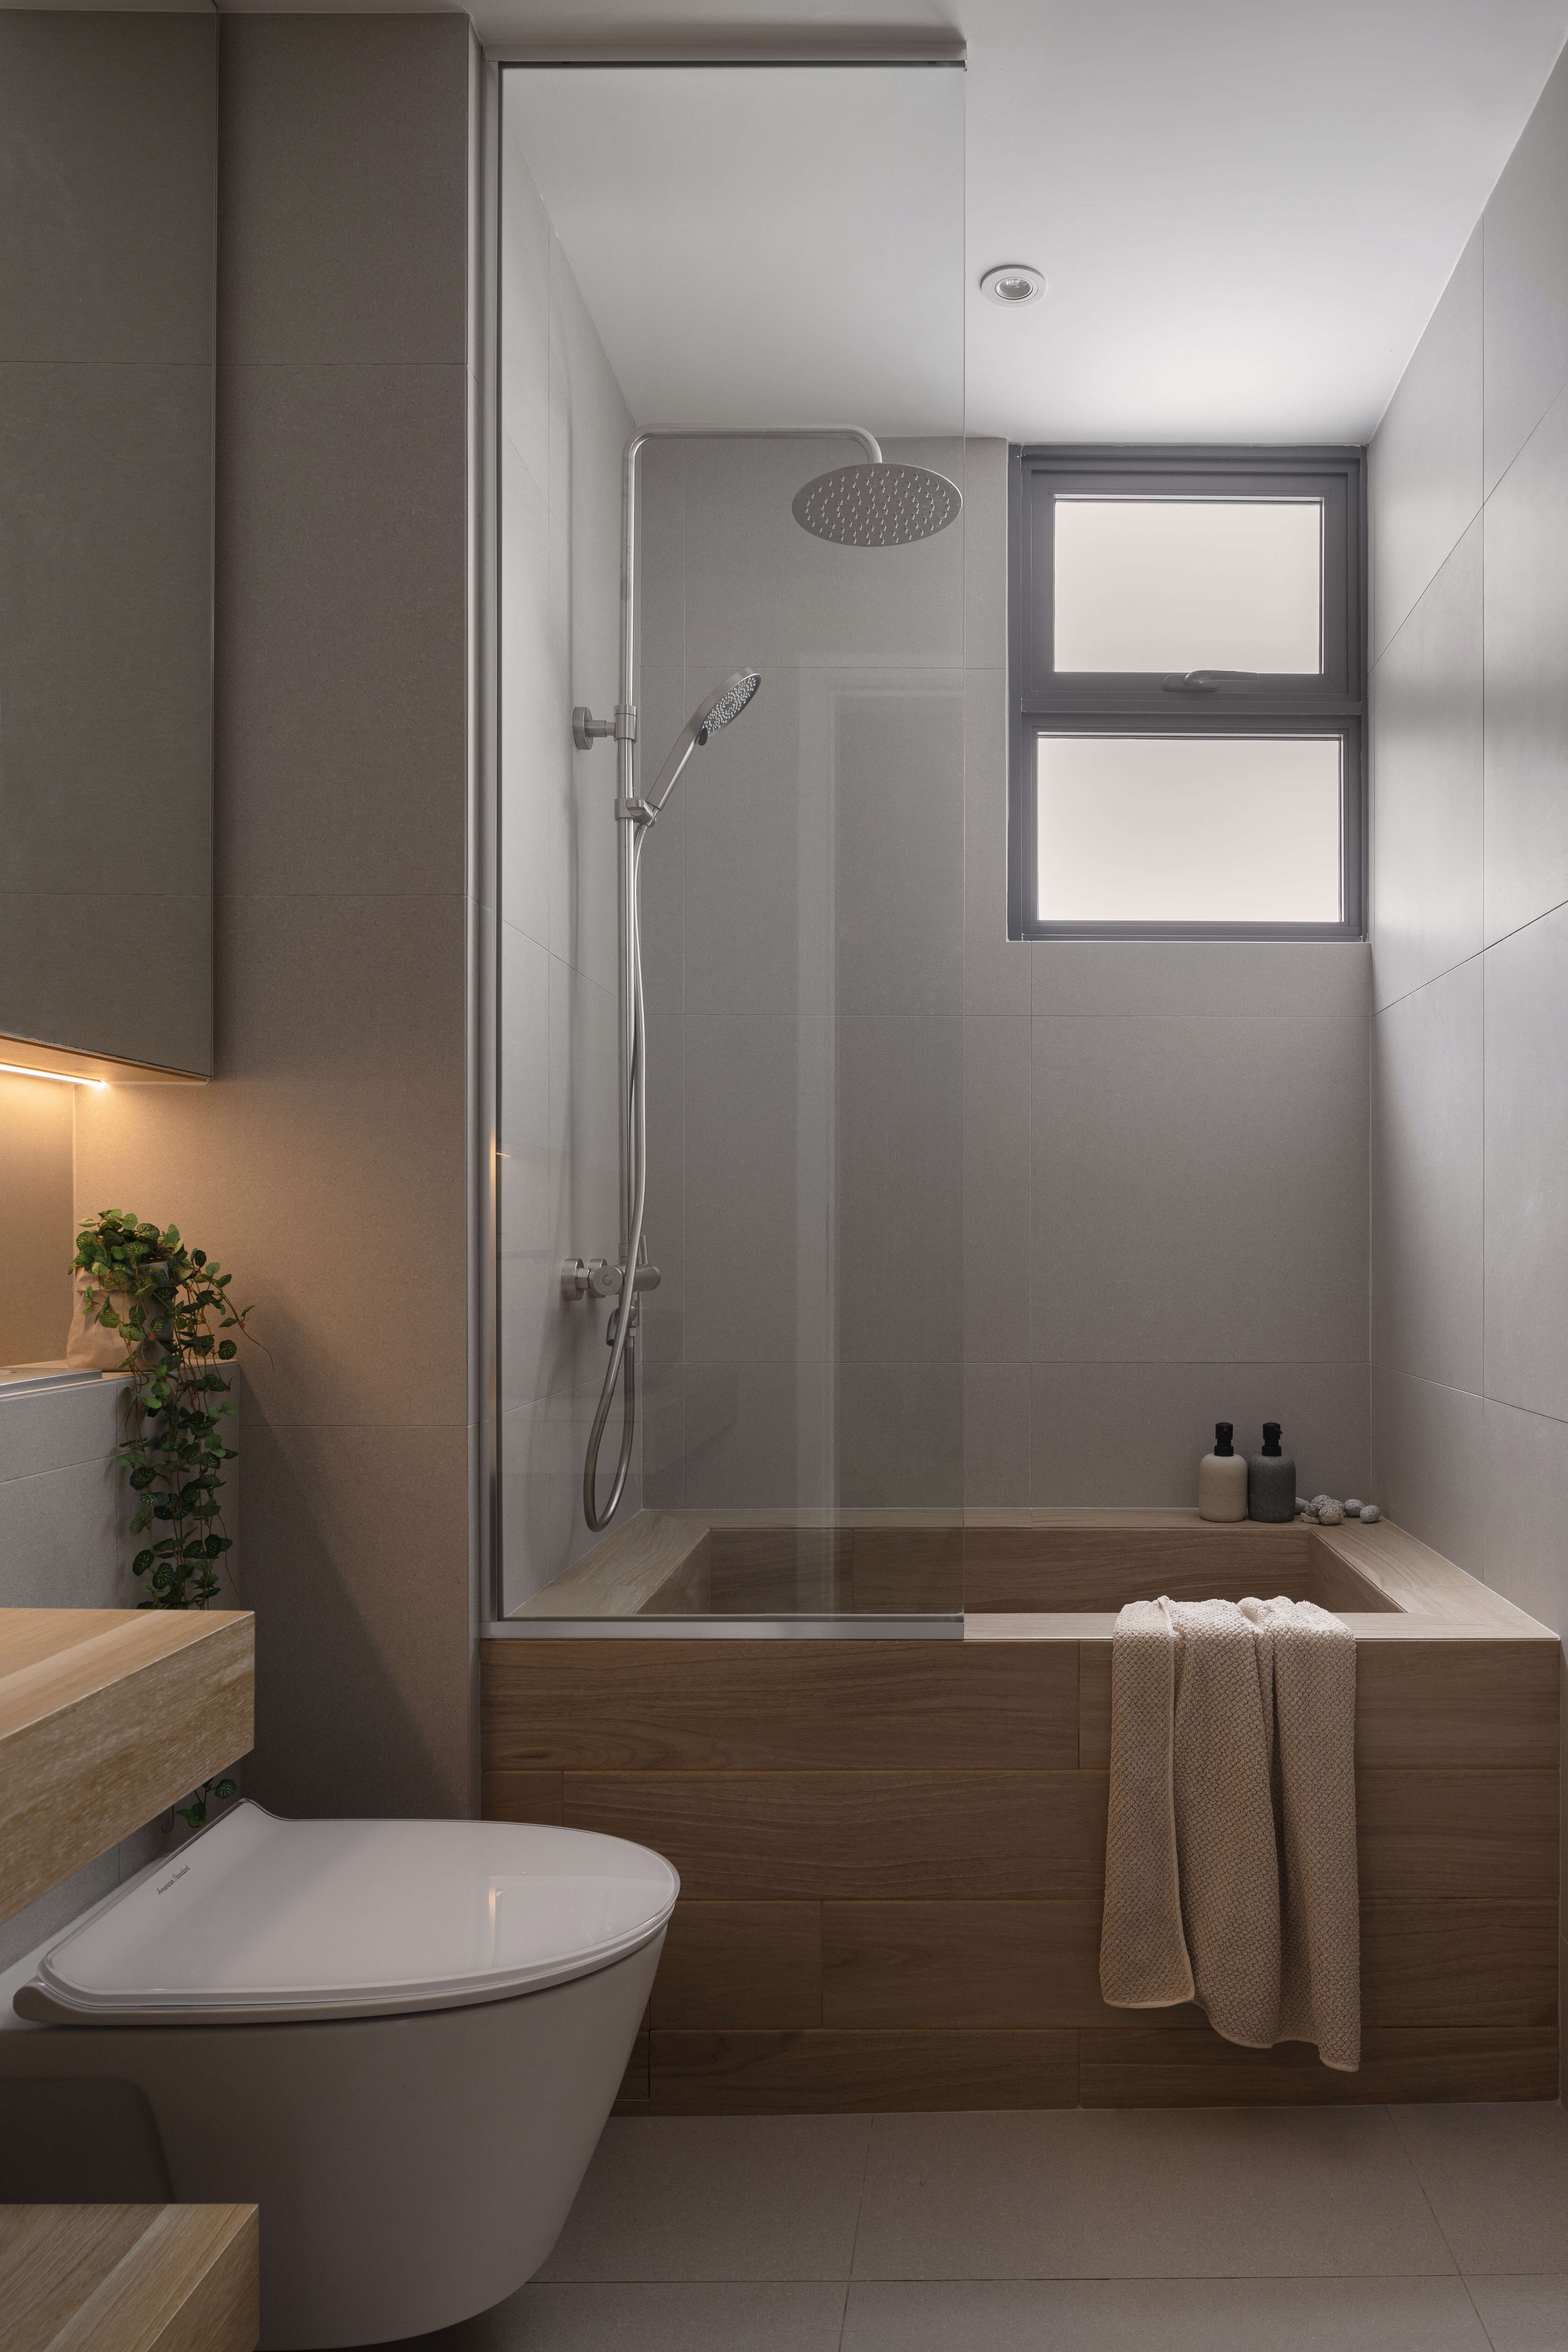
(129, 2278)
(891, 1852)
(107, 1717)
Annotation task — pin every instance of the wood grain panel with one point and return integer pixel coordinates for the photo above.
(1087, 1564)
(1458, 1963)
(741, 1964)
(912, 1569)
(1094, 1706)
(675, 1705)
(129, 2278)
(107, 1732)
(1196, 2069)
(818, 1836)
(521, 1797)
(1457, 1836)
(1436, 1705)
(836, 2074)
(1013, 1965)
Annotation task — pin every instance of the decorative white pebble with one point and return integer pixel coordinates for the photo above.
(1319, 1500)
(1308, 1517)
(1370, 1511)
(1329, 1515)
(1353, 1507)
(1302, 1504)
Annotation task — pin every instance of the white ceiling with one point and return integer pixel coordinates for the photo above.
(1247, 209)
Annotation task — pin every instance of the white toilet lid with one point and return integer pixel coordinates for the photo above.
(259, 1920)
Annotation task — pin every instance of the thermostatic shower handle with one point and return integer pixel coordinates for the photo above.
(596, 1278)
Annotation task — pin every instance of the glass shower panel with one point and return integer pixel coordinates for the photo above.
(764, 256)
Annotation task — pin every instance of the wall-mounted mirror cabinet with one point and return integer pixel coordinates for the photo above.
(108, 204)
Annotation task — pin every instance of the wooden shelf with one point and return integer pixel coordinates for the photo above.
(129, 2278)
(107, 1717)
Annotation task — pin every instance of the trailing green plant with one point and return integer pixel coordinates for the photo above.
(170, 1307)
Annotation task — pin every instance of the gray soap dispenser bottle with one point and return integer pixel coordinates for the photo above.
(1271, 1480)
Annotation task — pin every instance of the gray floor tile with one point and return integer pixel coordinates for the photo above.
(716, 2197)
(749, 2315)
(1216, 2192)
(1525, 2315)
(1498, 2180)
(1379, 2315)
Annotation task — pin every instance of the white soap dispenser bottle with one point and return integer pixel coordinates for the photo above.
(1222, 1478)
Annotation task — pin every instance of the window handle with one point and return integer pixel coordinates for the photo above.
(1201, 681)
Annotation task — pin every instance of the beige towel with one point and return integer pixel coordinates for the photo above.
(1230, 1867)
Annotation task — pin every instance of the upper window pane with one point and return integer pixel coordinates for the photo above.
(1146, 584)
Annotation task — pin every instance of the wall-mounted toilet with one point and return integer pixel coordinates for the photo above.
(401, 2040)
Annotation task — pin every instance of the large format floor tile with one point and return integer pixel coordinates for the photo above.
(716, 2197)
(747, 2315)
(1378, 2315)
(1215, 2192)
(1498, 2180)
(1524, 2315)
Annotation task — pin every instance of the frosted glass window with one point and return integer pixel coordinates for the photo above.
(1189, 829)
(1189, 583)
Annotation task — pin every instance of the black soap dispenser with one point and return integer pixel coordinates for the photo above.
(1271, 1480)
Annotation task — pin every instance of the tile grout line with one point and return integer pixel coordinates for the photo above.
(855, 2241)
(1392, 2115)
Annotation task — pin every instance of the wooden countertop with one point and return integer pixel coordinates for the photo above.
(108, 1717)
(129, 2278)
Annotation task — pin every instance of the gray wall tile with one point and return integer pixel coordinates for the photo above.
(1424, 485)
(1527, 281)
(60, 1537)
(341, 737)
(1526, 1151)
(998, 1086)
(996, 1435)
(108, 126)
(1426, 1156)
(58, 1429)
(1200, 1190)
(1428, 1469)
(1427, 790)
(1256, 979)
(1526, 687)
(762, 1436)
(899, 1188)
(898, 878)
(344, 190)
(1525, 1496)
(983, 481)
(1132, 1434)
(901, 1436)
(997, 971)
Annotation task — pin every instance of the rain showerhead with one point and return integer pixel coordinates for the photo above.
(702, 726)
(877, 506)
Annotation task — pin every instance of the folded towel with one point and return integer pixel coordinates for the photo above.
(1230, 1867)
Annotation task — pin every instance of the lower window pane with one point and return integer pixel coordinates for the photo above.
(1189, 829)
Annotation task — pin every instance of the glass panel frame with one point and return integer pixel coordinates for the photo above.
(1043, 700)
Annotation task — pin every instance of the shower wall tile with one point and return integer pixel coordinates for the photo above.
(759, 1106)
(1424, 482)
(982, 476)
(1203, 979)
(997, 971)
(899, 1433)
(997, 1435)
(1525, 1499)
(61, 1537)
(1199, 1190)
(1526, 683)
(536, 780)
(899, 1188)
(523, 311)
(757, 1434)
(1132, 1434)
(1426, 1127)
(1426, 789)
(898, 870)
(998, 1082)
(1428, 1466)
(1526, 1153)
(1526, 341)
(759, 845)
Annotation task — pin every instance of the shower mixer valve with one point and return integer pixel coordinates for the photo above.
(598, 1277)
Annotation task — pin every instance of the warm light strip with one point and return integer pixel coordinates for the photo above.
(62, 1078)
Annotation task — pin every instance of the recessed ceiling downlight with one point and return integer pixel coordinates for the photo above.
(1011, 284)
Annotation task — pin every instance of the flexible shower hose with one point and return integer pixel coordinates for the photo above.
(623, 1363)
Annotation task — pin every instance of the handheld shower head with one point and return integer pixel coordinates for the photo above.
(704, 723)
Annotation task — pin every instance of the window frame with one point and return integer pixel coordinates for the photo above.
(1042, 701)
